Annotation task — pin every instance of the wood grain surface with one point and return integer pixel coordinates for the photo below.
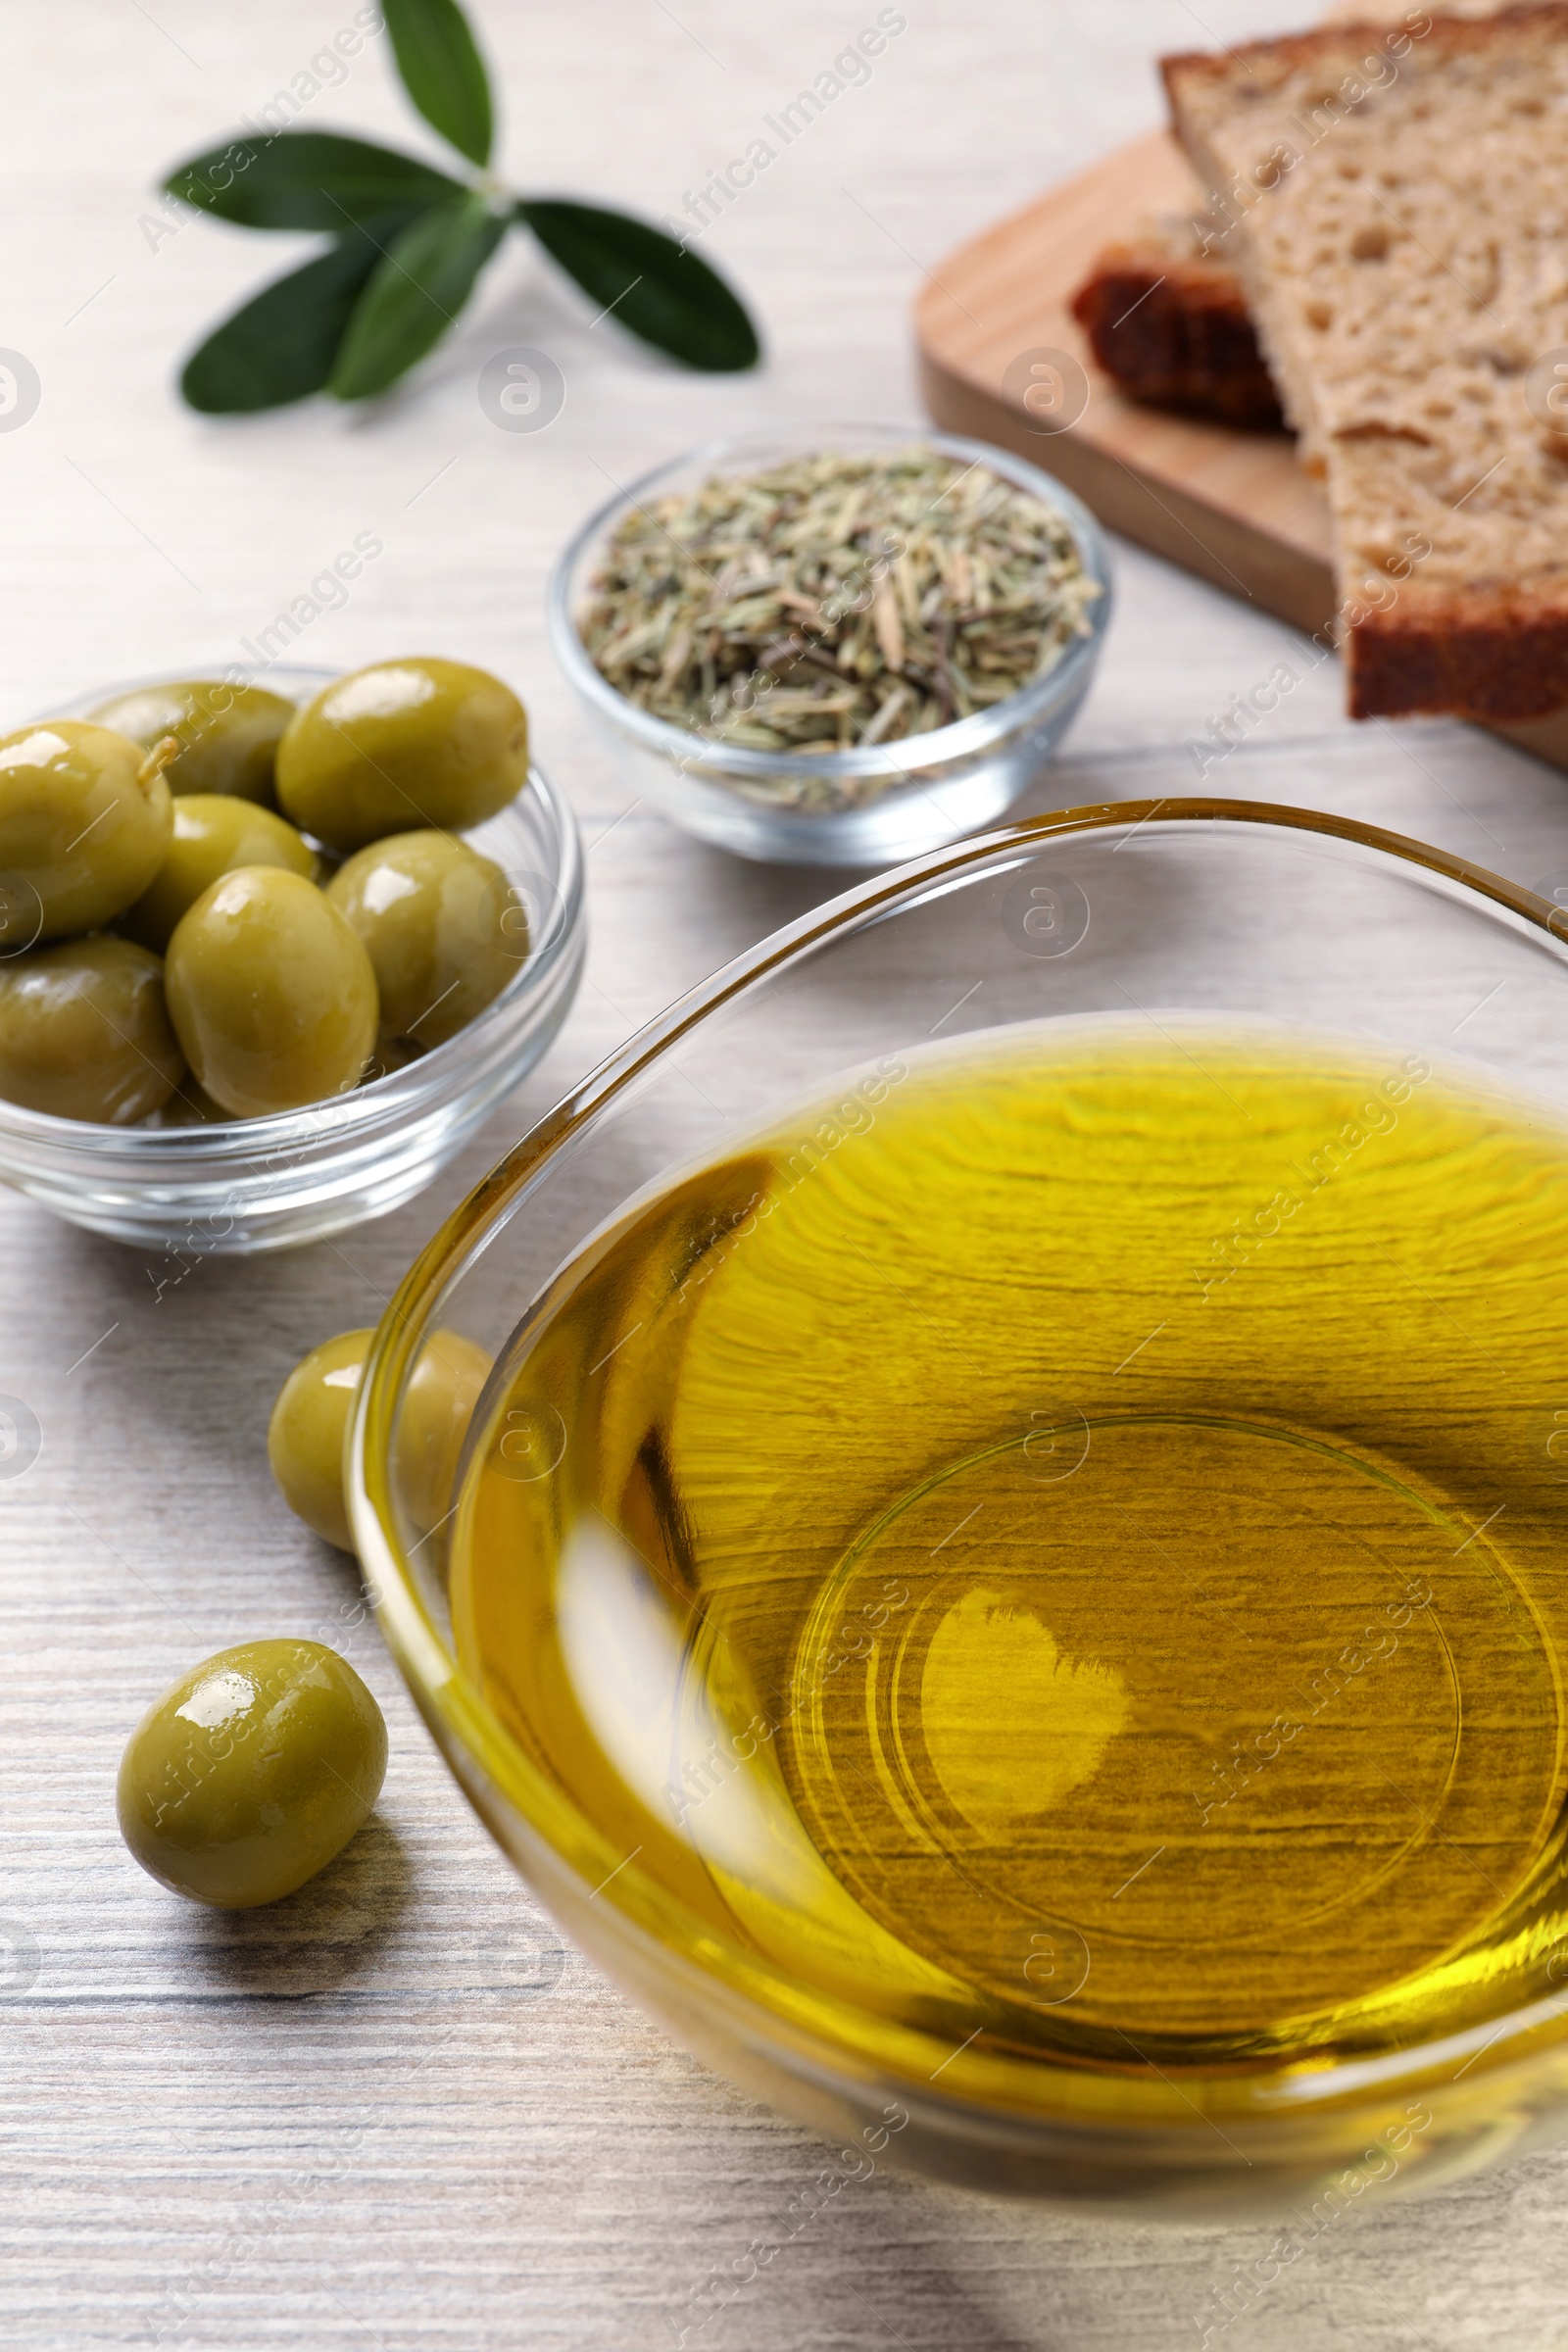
(395, 2111)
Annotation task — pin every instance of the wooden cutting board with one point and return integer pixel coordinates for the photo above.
(1233, 507)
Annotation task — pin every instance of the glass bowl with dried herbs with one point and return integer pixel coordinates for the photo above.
(843, 646)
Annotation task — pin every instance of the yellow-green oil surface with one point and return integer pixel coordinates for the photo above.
(1064, 1543)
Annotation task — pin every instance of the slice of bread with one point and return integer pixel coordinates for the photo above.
(1397, 207)
(1166, 313)
(1170, 325)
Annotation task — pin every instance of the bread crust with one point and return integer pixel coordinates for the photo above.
(1447, 35)
(1497, 657)
(1176, 331)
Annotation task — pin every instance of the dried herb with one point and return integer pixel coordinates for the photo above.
(409, 242)
(832, 603)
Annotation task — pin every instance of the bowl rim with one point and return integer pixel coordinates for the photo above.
(757, 1995)
(389, 1101)
(714, 759)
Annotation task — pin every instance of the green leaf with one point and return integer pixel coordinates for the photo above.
(670, 297)
(280, 347)
(416, 293)
(443, 71)
(305, 179)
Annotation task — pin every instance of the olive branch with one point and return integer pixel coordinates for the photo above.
(409, 241)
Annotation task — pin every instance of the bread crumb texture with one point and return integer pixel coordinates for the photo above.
(1397, 207)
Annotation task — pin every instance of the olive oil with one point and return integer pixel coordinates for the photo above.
(1063, 1545)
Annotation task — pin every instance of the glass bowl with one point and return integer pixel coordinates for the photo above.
(1169, 917)
(927, 789)
(232, 1188)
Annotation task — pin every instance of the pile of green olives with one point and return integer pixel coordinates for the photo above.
(217, 903)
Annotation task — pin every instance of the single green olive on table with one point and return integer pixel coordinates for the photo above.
(305, 1439)
(251, 1773)
(407, 241)
(248, 973)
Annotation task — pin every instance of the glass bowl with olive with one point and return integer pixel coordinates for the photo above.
(269, 952)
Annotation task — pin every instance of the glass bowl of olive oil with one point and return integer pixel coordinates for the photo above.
(1010, 1577)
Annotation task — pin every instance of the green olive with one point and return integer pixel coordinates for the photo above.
(440, 926)
(420, 742)
(270, 992)
(433, 1420)
(251, 1773)
(305, 1435)
(85, 819)
(213, 833)
(305, 1439)
(84, 1032)
(228, 735)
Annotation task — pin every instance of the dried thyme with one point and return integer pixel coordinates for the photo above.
(835, 602)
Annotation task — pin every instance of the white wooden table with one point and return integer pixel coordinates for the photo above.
(397, 2112)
